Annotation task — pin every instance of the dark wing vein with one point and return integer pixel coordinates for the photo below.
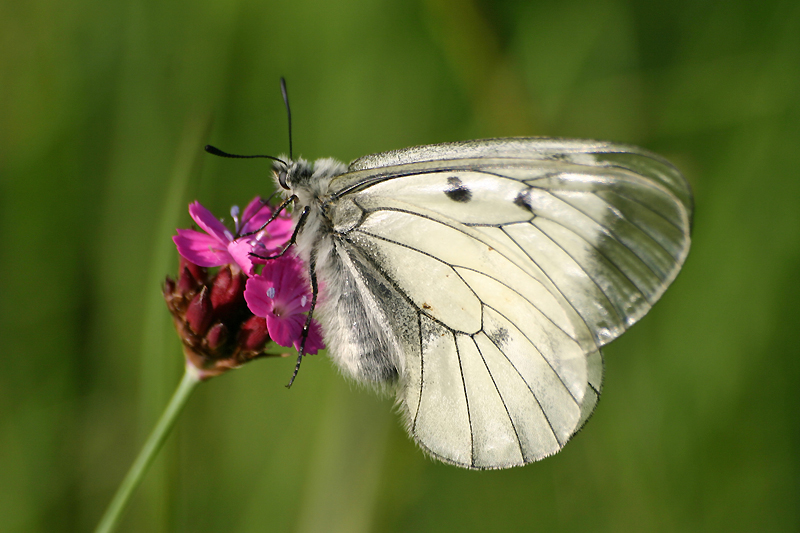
(500, 394)
(529, 256)
(608, 231)
(379, 237)
(535, 398)
(537, 349)
(637, 201)
(390, 280)
(466, 400)
(421, 373)
(599, 252)
(622, 217)
(515, 291)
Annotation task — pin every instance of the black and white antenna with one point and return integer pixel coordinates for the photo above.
(216, 151)
(288, 113)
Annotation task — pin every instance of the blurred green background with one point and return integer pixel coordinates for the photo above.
(104, 109)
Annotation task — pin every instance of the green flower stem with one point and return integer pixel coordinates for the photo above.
(149, 450)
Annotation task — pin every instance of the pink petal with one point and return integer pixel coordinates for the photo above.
(278, 233)
(240, 250)
(286, 330)
(273, 237)
(206, 220)
(255, 294)
(255, 214)
(253, 207)
(293, 290)
(201, 249)
(292, 277)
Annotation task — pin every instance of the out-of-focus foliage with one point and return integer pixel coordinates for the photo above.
(104, 108)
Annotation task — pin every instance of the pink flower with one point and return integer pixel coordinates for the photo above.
(218, 246)
(281, 295)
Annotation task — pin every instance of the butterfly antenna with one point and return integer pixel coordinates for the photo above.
(288, 113)
(213, 150)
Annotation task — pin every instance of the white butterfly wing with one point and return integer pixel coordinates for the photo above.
(494, 271)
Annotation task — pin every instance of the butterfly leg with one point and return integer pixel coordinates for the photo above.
(300, 223)
(312, 273)
(275, 215)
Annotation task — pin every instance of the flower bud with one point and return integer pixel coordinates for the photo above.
(198, 273)
(253, 333)
(211, 317)
(200, 312)
(169, 286)
(227, 292)
(186, 281)
(216, 336)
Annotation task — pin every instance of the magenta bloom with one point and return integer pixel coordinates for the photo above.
(219, 246)
(282, 295)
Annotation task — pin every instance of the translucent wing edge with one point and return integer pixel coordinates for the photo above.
(497, 147)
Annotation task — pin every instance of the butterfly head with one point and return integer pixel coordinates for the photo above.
(292, 173)
(305, 179)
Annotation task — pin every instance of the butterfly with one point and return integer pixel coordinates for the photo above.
(479, 280)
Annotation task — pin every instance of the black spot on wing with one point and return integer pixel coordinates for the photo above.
(499, 337)
(457, 191)
(523, 200)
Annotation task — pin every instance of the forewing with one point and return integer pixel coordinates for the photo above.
(606, 226)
